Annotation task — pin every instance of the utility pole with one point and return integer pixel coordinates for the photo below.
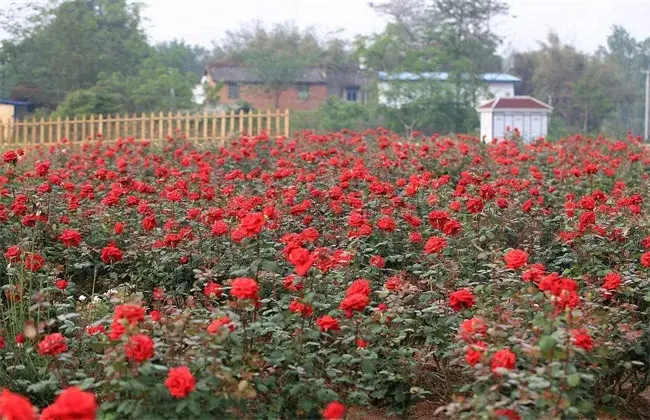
(647, 105)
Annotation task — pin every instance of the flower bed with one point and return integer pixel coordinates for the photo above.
(297, 277)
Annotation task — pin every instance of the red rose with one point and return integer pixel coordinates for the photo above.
(460, 299)
(474, 205)
(435, 244)
(180, 382)
(20, 338)
(149, 223)
(252, 223)
(52, 345)
(471, 327)
(535, 273)
(302, 260)
(156, 316)
(645, 259)
(508, 413)
(394, 283)
(378, 261)
(355, 302)
(298, 307)
(12, 254)
(15, 407)
(328, 323)
(139, 348)
(2, 342)
(130, 311)
(72, 403)
(212, 290)
(451, 227)
(516, 259)
(292, 284)
(61, 284)
(386, 224)
(359, 286)
(70, 238)
(502, 359)
(10, 157)
(215, 326)
(582, 339)
(475, 353)
(117, 331)
(334, 411)
(118, 228)
(245, 288)
(219, 228)
(612, 281)
(111, 254)
(33, 262)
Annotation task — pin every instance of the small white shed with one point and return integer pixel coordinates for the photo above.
(500, 115)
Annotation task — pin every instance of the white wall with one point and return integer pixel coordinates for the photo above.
(494, 90)
(532, 124)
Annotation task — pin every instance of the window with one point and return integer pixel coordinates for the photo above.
(351, 94)
(233, 91)
(303, 92)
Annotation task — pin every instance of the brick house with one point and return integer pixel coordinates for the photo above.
(308, 92)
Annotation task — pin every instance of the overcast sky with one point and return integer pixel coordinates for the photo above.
(583, 23)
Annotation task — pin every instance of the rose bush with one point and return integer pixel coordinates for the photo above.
(294, 277)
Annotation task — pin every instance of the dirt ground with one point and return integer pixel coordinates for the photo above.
(424, 411)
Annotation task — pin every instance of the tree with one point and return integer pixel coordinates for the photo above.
(181, 56)
(439, 35)
(65, 45)
(280, 55)
(154, 88)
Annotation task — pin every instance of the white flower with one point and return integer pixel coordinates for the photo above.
(82, 298)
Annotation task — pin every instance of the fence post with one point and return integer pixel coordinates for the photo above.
(241, 122)
(231, 125)
(67, 127)
(83, 128)
(143, 124)
(92, 126)
(160, 125)
(249, 129)
(205, 125)
(100, 125)
(268, 122)
(58, 128)
(286, 123)
(222, 122)
(152, 126)
(2, 132)
(42, 133)
(170, 127)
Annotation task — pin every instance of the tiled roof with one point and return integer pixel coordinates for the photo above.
(515, 102)
(409, 76)
(233, 72)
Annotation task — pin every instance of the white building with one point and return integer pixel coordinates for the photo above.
(528, 115)
(397, 89)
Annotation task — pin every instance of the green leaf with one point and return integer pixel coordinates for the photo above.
(547, 343)
(573, 380)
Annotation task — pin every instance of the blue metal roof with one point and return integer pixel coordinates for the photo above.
(16, 103)
(409, 76)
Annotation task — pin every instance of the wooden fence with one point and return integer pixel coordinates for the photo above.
(200, 127)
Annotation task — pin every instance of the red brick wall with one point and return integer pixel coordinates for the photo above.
(289, 99)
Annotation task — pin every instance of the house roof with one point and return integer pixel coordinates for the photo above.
(442, 76)
(236, 72)
(514, 102)
(12, 102)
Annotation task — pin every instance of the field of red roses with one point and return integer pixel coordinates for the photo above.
(301, 277)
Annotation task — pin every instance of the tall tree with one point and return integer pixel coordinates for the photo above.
(179, 55)
(65, 45)
(440, 35)
(280, 55)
